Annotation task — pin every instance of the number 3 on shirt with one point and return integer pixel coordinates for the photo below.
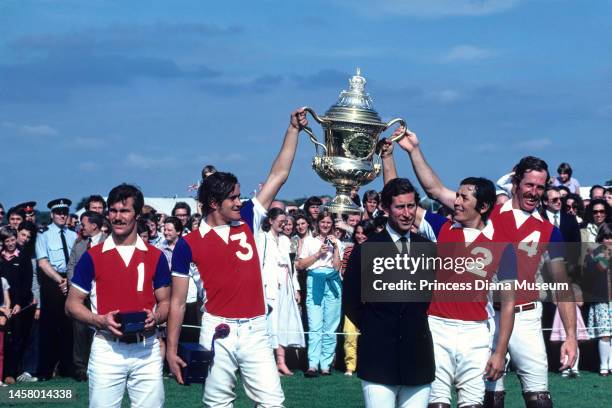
(242, 238)
(529, 244)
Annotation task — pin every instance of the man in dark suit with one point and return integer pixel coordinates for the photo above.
(91, 234)
(395, 357)
(567, 223)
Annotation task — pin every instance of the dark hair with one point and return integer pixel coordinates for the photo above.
(272, 215)
(594, 187)
(124, 191)
(313, 201)
(209, 168)
(141, 226)
(178, 225)
(546, 191)
(380, 221)
(181, 205)
(588, 214)
(567, 190)
(94, 218)
(579, 203)
(325, 214)
(150, 216)
(371, 194)
(396, 187)
(6, 232)
(368, 228)
(30, 226)
(300, 214)
(16, 210)
(215, 188)
(95, 198)
(195, 217)
(565, 168)
(527, 164)
(605, 231)
(484, 193)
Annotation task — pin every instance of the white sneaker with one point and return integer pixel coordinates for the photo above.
(565, 373)
(26, 377)
(3, 384)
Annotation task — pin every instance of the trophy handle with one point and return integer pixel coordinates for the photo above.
(393, 122)
(308, 130)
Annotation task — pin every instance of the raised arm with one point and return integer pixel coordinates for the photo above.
(388, 162)
(282, 164)
(428, 179)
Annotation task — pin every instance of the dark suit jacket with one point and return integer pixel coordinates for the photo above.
(78, 249)
(570, 230)
(395, 345)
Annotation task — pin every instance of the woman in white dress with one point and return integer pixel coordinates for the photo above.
(281, 288)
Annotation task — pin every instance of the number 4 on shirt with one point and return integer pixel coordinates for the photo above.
(529, 244)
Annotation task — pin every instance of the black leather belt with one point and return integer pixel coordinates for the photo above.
(518, 308)
(128, 338)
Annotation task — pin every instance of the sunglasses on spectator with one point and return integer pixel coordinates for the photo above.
(555, 200)
(574, 206)
(599, 211)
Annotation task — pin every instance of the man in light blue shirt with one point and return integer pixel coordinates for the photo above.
(52, 253)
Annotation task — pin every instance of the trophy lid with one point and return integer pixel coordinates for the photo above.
(354, 105)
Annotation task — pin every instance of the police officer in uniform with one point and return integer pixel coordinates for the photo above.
(52, 253)
(28, 209)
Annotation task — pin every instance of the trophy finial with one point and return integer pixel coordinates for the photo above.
(357, 82)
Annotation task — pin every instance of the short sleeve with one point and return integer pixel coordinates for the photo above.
(253, 214)
(431, 224)
(84, 273)
(162, 273)
(556, 249)
(507, 269)
(181, 258)
(41, 247)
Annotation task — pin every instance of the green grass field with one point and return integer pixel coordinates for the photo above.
(589, 391)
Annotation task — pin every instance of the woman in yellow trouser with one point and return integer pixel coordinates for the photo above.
(361, 233)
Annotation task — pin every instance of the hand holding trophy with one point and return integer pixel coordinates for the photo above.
(349, 157)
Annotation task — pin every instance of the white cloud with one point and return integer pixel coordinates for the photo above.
(87, 142)
(434, 8)
(444, 96)
(139, 161)
(88, 166)
(32, 130)
(534, 144)
(466, 52)
(605, 110)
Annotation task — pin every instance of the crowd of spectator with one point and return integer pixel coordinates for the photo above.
(303, 251)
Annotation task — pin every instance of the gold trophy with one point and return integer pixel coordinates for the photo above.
(349, 158)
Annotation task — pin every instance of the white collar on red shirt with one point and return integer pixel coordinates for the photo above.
(221, 230)
(507, 206)
(109, 243)
(470, 234)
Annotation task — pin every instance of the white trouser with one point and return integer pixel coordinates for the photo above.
(461, 350)
(112, 364)
(245, 349)
(527, 351)
(395, 396)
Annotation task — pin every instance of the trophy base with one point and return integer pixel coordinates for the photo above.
(342, 204)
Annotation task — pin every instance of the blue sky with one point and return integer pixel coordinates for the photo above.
(100, 92)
